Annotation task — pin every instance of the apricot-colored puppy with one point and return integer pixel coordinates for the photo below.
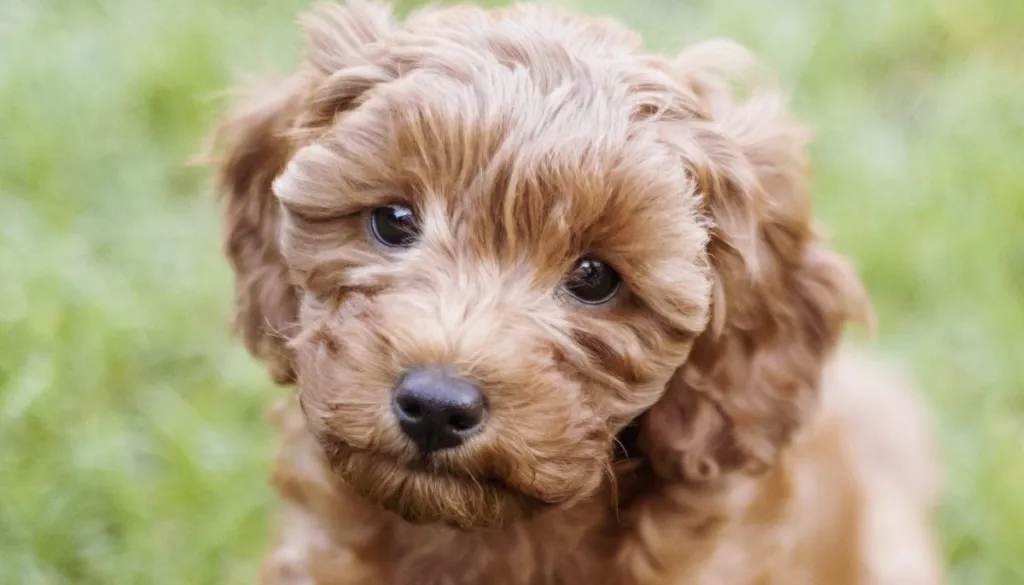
(557, 314)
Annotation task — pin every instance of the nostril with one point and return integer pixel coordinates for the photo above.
(410, 407)
(463, 421)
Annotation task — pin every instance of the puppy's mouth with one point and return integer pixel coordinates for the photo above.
(425, 491)
(429, 467)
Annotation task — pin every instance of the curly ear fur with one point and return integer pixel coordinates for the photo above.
(259, 136)
(781, 296)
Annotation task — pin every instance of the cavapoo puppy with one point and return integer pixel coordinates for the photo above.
(556, 313)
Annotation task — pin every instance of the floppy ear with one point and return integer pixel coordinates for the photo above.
(258, 138)
(781, 296)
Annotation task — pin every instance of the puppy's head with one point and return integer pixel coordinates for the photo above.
(482, 243)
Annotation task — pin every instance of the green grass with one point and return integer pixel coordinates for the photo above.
(132, 443)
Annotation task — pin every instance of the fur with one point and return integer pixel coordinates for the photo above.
(525, 138)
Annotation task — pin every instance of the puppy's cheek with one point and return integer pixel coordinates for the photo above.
(577, 475)
(345, 389)
(554, 458)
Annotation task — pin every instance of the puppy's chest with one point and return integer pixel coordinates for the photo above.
(545, 553)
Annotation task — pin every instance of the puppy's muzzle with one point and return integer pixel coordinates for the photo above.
(437, 409)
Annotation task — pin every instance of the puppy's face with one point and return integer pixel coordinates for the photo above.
(482, 243)
(497, 278)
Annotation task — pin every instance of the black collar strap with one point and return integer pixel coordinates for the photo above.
(626, 447)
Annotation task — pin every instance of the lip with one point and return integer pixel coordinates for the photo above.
(431, 468)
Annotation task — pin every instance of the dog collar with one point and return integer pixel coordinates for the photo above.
(626, 446)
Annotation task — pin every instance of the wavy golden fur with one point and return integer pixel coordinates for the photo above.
(525, 138)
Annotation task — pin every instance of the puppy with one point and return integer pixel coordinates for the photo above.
(556, 313)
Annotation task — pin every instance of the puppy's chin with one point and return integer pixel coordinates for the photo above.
(434, 497)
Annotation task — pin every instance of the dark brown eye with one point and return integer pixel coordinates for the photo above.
(394, 226)
(592, 282)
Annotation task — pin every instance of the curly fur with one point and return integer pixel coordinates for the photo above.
(524, 138)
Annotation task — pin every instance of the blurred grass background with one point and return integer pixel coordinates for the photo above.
(132, 443)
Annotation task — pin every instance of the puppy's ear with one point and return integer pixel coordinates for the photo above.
(781, 296)
(257, 139)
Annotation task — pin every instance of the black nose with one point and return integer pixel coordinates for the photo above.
(437, 409)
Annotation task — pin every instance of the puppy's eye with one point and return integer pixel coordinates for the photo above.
(394, 225)
(592, 282)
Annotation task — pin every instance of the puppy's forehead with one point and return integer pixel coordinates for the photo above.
(516, 139)
(544, 148)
